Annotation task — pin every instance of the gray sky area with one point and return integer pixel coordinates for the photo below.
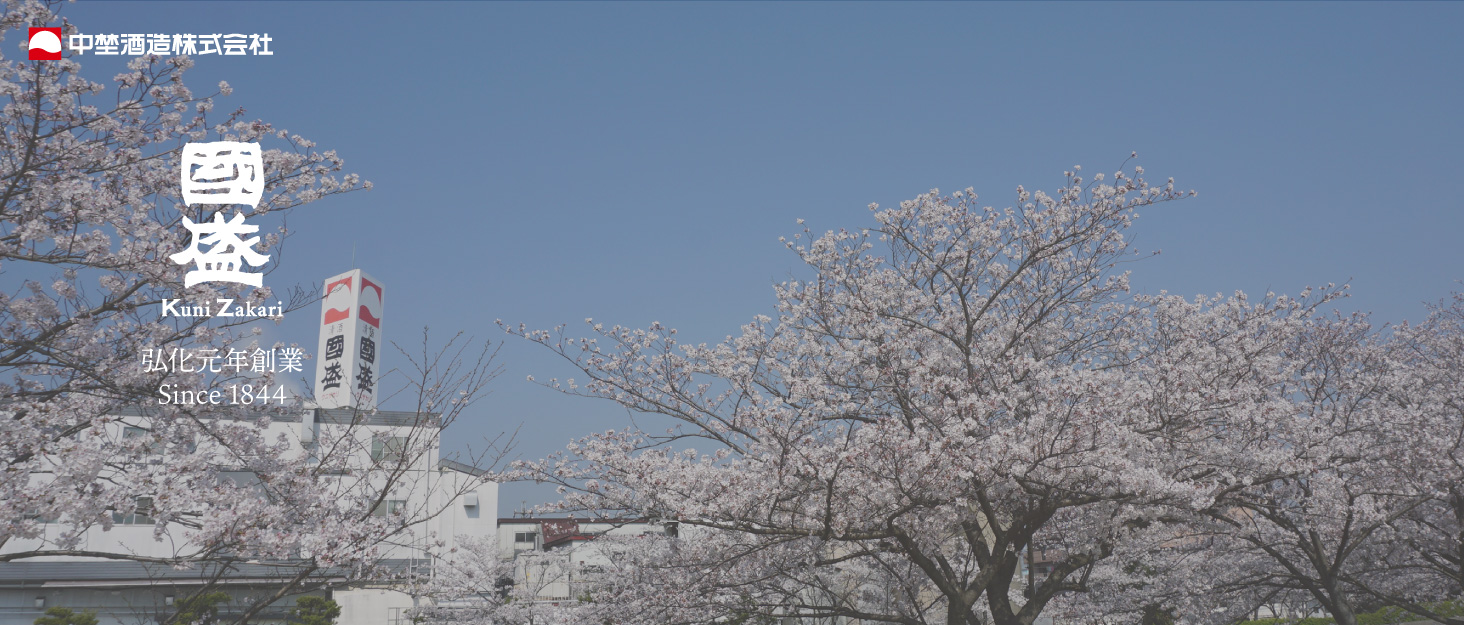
(543, 163)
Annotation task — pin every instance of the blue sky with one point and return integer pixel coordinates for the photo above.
(543, 163)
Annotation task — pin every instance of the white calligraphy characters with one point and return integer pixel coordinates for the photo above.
(163, 44)
(222, 172)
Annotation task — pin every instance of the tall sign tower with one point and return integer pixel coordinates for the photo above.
(347, 360)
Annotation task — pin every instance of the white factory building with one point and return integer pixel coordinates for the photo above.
(129, 593)
(126, 592)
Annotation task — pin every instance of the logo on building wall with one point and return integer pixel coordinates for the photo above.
(350, 337)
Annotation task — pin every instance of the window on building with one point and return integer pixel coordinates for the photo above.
(388, 448)
(140, 515)
(245, 480)
(44, 518)
(393, 507)
(133, 432)
(525, 541)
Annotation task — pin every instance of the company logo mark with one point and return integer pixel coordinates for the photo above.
(45, 43)
(162, 44)
(366, 314)
(222, 172)
(334, 310)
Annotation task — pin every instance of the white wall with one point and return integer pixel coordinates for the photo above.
(458, 518)
(373, 606)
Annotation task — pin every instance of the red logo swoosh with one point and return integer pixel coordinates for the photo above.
(333, 315)
(368, 318)
(367, 284)
(366, 312)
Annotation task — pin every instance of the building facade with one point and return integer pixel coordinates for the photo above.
(451, 500)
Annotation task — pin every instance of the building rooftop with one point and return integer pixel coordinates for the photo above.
(461, 467)
(48, 574)
(335, 416)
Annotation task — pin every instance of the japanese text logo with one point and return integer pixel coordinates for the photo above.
(222, 172)
(164, 44)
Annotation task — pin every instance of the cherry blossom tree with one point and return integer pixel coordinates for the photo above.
(1422, 563)
(960, 386)
(90, 214)
(1342, 447)
(1307, 453)
(948, 388)
(469, 583)
(1340, 491)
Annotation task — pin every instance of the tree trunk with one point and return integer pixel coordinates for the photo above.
(958, 608)
(1340, 607)
(956, 612)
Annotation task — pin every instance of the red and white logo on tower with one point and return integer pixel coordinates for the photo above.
(45, 43)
